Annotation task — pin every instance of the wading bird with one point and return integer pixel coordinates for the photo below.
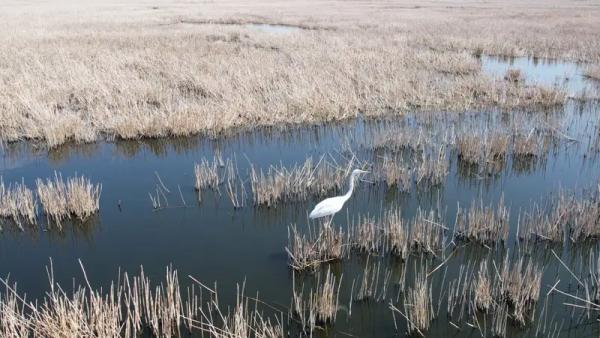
(330, 206)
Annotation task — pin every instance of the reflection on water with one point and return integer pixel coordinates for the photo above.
(546, 72)
(212, 241)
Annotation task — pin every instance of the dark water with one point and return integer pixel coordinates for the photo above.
(212, 241)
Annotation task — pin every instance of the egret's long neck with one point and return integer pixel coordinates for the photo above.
(349, 193)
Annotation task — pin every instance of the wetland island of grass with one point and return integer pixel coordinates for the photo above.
(159, 161)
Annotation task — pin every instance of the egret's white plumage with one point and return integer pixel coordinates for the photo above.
(330, 206)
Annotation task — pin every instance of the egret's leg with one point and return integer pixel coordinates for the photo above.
(330, 221)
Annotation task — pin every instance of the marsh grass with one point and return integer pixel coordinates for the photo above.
(154, 85)
(417, 306)
(487, 225)
(521, 283)
(374, 282)
(308, 251)
(426, 232)
(130, 307)
(17, 203)
(281, 184)
(320, 306)
(396, 174)
(76, 197)
(433, 168)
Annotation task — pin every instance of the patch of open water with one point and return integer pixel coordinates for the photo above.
(212, 241)
(546, 72)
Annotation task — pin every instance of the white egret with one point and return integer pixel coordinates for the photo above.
(330, 206)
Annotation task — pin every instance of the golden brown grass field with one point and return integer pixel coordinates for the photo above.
(81, 71)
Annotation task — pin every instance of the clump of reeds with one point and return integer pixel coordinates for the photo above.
(483, 224)
(207, 174)
(426, 232)
(433, 168)
(281, 184)
(395, 174)
(395, 230)
(320, 307)
(521, 283)
(131, 307)
(585, 218)
(483, 289)
(469, 148)
(17, 203)
(495, 148)
(514, 76)
(76, 197)
(246, 319)
(308, 252)
(546, 223)
(528, 146)
(366, 235)
(417, 305)
(396, 138)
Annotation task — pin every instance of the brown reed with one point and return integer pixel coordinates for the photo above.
(483, 224)
(17, 203)
(76, 197)
(310, 251)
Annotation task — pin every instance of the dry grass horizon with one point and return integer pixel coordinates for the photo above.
(79, 71)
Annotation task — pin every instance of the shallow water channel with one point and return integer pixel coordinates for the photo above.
(540, 71)
(213, 242)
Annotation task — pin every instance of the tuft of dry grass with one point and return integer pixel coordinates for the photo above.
(321, 307)
(308, 252)
(483, 224)
(396, 174)
(483, 289)
(417, 305)
(433, 169)
(521, 283)
(76, 197)
(281, 184)
(514, 76)
(17, 203)
(396, 233)
(425, 235)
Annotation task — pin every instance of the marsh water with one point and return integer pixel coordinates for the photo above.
(214, 242)
(541, 71)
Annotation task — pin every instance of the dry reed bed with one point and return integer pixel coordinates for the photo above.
(17, 203)
(391, 234)
(487, 225)
(564, 217)
(506, 293)
(129, 307)
(280, 184)
(152, 84)
(321, 245)
(417, 306)
(76, 197)
(320, 306)
(388, 234)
